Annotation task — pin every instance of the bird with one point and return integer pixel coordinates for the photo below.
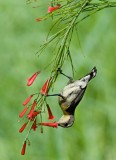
(71, 95)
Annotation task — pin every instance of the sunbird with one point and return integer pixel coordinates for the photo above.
(71, 95)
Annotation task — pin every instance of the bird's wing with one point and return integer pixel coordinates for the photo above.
(75, 102)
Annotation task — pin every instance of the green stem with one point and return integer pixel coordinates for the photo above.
(59, 61)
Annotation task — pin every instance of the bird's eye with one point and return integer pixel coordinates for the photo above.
(66, 124)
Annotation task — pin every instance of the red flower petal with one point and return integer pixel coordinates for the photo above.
(44, 89)
(22, 128)
(34, 114)
(34, 126)
(49, 112)
(27, 100)
(54, 124)
(23, 148)
(51, 9)
(23, 112)
(32, 110)
(32, 78)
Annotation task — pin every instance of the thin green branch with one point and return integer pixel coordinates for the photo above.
(67, 19)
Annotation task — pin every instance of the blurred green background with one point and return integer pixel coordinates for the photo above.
(93, 136)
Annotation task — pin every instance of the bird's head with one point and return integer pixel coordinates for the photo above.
(66, 121)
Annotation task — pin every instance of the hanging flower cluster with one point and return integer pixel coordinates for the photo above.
(33, 109)
(67, 15)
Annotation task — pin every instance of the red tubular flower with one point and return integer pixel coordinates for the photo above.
(22, 128)
(49, 112)
(54, 124)
(44, 89)
(27, 100)
(23, 112)
(32, 110)
(34, 125)
(23, 148)
(34, 114)
(51, 9)
(32, 78)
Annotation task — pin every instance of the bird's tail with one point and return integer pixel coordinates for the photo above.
(93, 73)
(90, 75)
